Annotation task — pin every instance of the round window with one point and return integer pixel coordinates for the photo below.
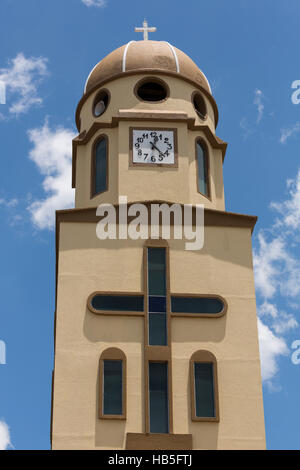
(100, 103)
(152, 91)
(199, 105)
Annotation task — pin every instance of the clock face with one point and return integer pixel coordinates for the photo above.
(153, 146)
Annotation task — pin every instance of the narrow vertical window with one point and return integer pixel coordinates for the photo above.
(202, 167)
(112, 384)
(158, 397)
(100, 167)
(112, 387)
(204, 390)
(157, 291)
(204, 386)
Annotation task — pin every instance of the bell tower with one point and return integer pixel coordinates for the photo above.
(156, 346)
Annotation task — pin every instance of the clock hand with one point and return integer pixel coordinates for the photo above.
(154, 147)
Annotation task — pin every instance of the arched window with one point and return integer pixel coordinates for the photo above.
(112, 384)
(202, 168)
(204, 387)
(99, 166)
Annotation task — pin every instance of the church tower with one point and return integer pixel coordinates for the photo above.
(156, 345)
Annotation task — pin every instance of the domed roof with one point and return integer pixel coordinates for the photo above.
(146, 56)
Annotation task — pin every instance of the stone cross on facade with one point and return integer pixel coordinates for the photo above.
(145, 30)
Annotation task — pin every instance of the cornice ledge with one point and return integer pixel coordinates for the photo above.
(212, 217)
(143, 115)
(151, 114)
(213, 139)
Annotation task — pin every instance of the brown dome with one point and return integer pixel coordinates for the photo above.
(146, 56)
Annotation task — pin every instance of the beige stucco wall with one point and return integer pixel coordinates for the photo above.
(150, 183)
(81, 337)
(123, 97)
(223, 267)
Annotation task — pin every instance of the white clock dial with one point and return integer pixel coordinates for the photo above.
(153, 146)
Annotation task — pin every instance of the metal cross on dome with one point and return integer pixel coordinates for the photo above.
(145, 30)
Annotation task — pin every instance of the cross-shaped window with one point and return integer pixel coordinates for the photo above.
(158, 305)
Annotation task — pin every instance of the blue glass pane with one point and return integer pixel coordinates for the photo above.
(157, 304)
(156, 271)
(158, 397)
(112, 388)
(196, 305)
(202, 169)
(204, 390)
(100, 183)
(157, 329)
(126, 303)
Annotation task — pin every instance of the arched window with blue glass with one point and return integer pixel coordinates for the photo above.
(202, 157)
(99, 173)
(112, 384)
(204, 386)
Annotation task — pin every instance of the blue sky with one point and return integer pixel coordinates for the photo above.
(249, 52)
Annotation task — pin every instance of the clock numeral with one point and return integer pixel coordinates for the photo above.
(153, 159)
(137, 146)
(146, 155)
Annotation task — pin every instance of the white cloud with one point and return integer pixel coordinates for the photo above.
(277, 279)
(268, 309)
(277, 275)
(285, 323)
(52, 153)
(271, 348)
(247, 130)
(4, 436)
(288, 132)
(94, 3)
(281, 321)
(12, 209)
(289, 209)
(8, 202)
(21, 78)
(258, 101)
(266, 264)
